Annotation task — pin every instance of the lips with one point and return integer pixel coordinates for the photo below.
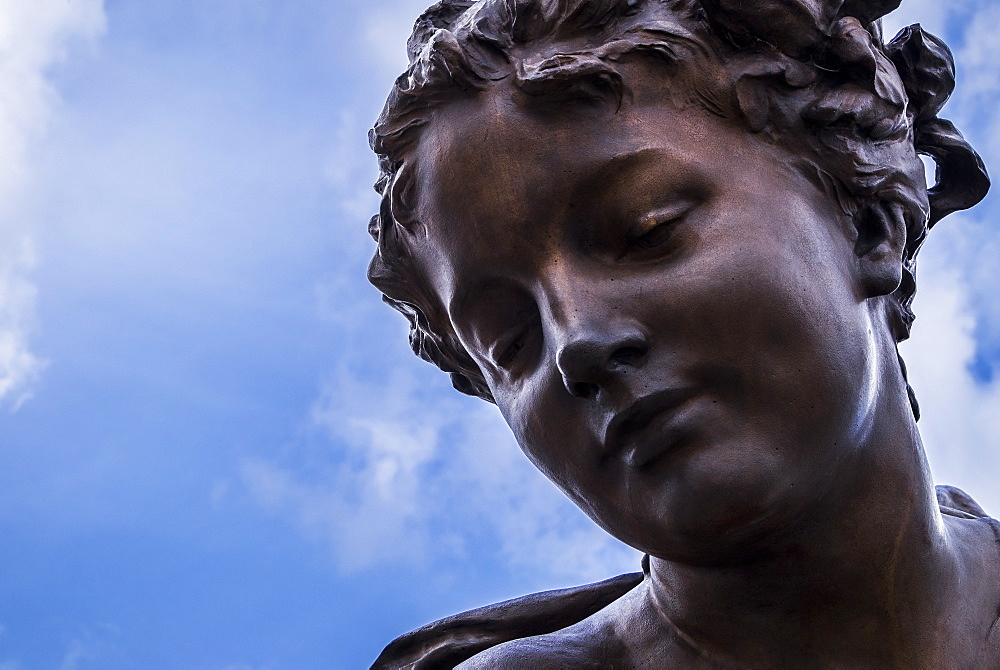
(626, 435)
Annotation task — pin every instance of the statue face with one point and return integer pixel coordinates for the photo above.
(669, 314)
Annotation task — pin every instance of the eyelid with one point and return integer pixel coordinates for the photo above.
(501, 348)
(515, 337)
(504, 353)
(658, 217)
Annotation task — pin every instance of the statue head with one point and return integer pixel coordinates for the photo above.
(602, 213)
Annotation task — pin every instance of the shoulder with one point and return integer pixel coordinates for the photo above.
(527, 623)
(581, 647)
(972, 528)
(956, 502)
(597, 642)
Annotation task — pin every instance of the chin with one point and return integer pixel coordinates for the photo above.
(727, 518)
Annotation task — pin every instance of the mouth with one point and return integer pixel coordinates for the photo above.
(631, 434)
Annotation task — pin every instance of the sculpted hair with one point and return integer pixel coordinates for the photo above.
(813, 76)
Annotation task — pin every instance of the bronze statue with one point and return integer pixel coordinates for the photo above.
(674, 241)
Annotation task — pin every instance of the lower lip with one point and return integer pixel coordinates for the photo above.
(665, 435)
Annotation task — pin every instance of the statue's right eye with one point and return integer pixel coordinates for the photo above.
(651, 239)
(655, 232)
(655, 236)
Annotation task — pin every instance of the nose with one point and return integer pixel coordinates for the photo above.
(592, 358)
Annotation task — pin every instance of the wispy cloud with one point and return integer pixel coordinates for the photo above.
(93, 644)
(412, 474)
(33, 37)
(19, 367)
(960, 420)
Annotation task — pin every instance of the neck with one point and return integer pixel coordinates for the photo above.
(865, 581)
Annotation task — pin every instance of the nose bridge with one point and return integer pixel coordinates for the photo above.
(576, 307)
(593, 340)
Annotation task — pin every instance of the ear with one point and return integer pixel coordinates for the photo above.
(878, 247)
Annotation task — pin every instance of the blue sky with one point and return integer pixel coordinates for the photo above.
(216, 449)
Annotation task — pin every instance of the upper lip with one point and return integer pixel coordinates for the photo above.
(625, 425)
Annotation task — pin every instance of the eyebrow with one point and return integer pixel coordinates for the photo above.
(610, 173)
(570, 78)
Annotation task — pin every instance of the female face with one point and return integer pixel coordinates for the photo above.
(669, 315)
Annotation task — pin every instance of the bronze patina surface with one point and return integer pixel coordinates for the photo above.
(675, 241)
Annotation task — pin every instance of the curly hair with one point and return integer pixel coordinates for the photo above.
(814, 76)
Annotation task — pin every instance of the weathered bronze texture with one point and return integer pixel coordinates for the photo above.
(675, 241)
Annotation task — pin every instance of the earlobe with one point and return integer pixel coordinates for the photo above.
(881, 236)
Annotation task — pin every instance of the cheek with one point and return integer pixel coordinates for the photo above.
(775, 328)
(804, 354)
(550, 430)
(772, 291)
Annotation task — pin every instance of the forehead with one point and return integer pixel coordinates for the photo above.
(503, 166)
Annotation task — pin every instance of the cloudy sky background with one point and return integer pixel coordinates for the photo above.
(216, 450)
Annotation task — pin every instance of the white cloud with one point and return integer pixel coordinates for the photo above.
(34, 35)
(977, 57)
(416, 474)
(960, 420)
(368, 505)
(19, 368)
(351, 169)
